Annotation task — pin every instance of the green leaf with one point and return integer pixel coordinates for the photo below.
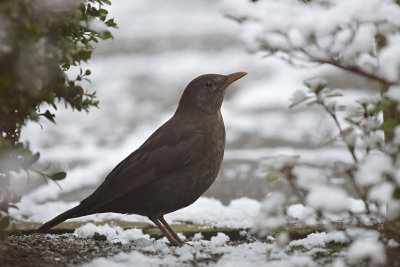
(35, 157)
(49, 116)
(88, 72)
(106, 35)
(389, 125)
(58, 176)
(103, 11)
(334, 94)
(111, 23)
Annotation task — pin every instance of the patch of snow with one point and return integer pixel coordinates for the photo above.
(370, 249)
(381, 193)
(271, 213)
(219, 240)
(240, 213)
(328, 198)
(113, 233)
(298, 97)
(396, 139)
(371, 169)
(394, 93)
(308, 177)
(303, 214)
(320, 239)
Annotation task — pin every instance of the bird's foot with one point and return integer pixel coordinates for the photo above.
(176, 243)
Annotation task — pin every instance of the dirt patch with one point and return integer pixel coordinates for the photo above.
(56, 250)
(61, 248)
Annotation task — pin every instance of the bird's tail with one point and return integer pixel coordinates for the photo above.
(72, 213)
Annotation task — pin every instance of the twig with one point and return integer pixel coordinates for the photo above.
(291, 177)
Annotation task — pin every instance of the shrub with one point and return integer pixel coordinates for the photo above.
(40, 40)
(359, 197)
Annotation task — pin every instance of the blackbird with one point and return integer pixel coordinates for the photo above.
(173, 167)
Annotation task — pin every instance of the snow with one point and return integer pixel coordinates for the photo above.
(152, 252)
(219, 240)
(370, 249)
(271, 213)
(396, 138)
(328, 198)
(394, 93)
(315, 83)
(390, 58)
(302, 214)
(308, 177)
(345, 29)
(240, 213)
(139, 77)
(112, 233)
(298, 97)
(372, 168)
(320, 239)
(381, 193)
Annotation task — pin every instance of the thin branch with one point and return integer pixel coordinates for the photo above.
(291, 177)
(331, 61)
(342, 134)
(353, 69)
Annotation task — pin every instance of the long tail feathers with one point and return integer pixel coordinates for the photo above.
(72, 213)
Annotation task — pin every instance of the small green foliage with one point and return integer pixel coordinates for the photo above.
(40, 41)
(58, 176)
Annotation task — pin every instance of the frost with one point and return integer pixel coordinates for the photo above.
(367, 249)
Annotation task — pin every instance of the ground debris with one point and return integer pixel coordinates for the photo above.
(55, 250)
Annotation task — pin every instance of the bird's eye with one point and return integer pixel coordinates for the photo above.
(209, 84)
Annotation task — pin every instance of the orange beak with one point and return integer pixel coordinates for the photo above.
(234, 76)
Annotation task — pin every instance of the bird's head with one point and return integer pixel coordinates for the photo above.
(206, 92)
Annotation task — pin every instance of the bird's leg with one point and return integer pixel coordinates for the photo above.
(167, 234)
(162, 220)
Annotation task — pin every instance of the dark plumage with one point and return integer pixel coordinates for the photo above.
(175, 165)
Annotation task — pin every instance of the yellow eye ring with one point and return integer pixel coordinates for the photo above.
(209, 84)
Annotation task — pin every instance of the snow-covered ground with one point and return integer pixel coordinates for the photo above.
(159, 47)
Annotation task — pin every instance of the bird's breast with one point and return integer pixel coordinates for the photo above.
(213, 151)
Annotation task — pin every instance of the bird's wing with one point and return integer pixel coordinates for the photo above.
(168, 149)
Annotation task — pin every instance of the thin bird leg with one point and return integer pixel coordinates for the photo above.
(162, 220)
(167, 234)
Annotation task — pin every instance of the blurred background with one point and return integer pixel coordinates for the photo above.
(139, 76)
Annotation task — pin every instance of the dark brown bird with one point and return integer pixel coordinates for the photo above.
(175, 165)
